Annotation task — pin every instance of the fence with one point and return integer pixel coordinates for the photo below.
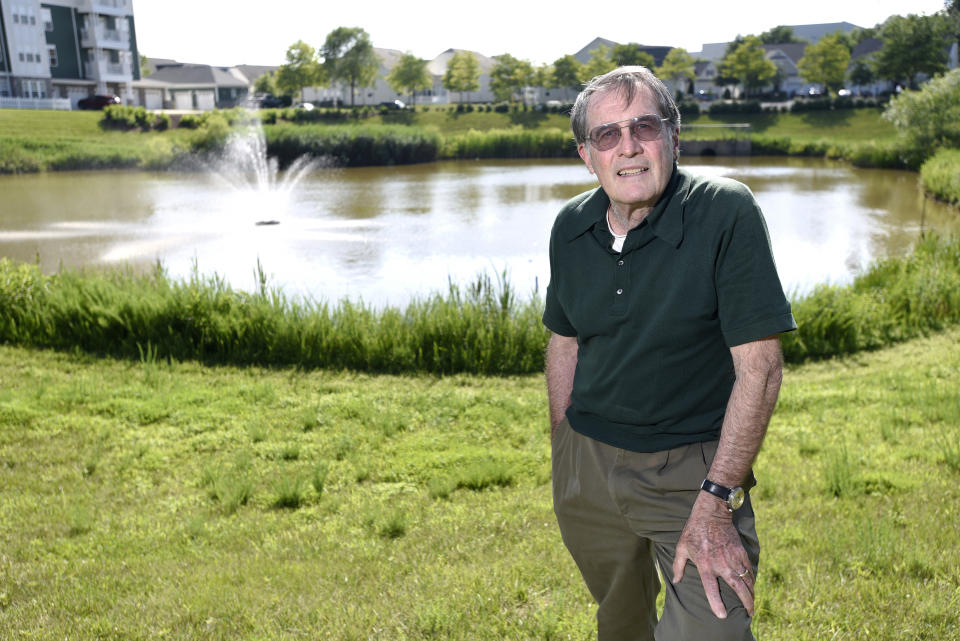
(35, 103)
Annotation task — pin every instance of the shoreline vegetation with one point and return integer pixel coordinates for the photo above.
(132, 138)
(482, 328)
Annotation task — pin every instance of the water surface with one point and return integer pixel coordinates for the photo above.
(386, 234)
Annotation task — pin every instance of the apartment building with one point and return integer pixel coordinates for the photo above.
(55, 52)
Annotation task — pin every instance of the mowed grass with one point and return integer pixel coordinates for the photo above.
(156, 500)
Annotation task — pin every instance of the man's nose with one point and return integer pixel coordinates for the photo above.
(628, 144)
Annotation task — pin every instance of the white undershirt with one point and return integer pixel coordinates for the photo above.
(617, 238)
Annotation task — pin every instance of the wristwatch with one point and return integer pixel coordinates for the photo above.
(733, 497)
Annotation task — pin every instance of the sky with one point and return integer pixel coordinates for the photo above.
(234, 32)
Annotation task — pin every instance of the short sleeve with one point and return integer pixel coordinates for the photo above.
(554, 317)
(750, 299)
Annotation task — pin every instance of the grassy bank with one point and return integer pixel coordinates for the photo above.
(484, 328)
(153, 500)
(40, 140)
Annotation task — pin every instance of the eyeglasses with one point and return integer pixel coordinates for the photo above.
(642, 128)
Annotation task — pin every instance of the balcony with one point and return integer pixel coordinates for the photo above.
(103, 37)
(113, 7)
(117, 71)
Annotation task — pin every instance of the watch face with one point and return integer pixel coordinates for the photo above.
(736, 498)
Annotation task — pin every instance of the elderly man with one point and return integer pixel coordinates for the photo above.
(663, 368)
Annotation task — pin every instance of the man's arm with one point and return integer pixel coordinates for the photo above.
(709, 538)
(561, 365)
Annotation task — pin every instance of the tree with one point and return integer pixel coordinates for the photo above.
(301, 70)
(409, 75)
(861, 73)
(509, 76)
(748, 64)
(463, 73)
(567, 72)
(825, 62)
(911, 45)
(600, 63)
(543, 76)
(348, 57)
(677, 64)
(144, 66)
(951, 15)
(779, 35)
(266, 83)
(631, 54)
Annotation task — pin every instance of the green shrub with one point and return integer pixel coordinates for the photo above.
(736, 107)
(940, 175)
(353, 145)
(928, 119)
(510, 143)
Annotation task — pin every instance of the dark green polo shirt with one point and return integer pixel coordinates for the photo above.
(655, 323)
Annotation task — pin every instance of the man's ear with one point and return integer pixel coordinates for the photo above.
(585, 156)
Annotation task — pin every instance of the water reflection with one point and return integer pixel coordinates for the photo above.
(385, 234)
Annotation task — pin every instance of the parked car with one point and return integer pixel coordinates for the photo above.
(98, 102)
(306, 106)
(273, 102)
(393, 104)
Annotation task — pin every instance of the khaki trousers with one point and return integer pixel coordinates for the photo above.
(621, 514)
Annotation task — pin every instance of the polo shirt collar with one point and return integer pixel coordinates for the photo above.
(665, 221)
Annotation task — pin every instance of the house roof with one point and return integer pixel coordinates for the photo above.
(583, 55)
(866, 47)
(438, 66)
(252, 72)
(792, 50)
(813, 32)
(196, 75)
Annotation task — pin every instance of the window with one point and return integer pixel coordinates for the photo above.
(16, 18)
(52, 56)
(21, 57)
(29, 57)
(47, 18)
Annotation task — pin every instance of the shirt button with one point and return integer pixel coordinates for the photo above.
(620, 263)
(619, 291)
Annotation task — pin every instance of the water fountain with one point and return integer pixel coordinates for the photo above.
(246, 169)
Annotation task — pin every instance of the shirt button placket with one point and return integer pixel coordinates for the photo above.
(621, 281)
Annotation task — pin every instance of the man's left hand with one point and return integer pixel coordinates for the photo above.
(711, 542)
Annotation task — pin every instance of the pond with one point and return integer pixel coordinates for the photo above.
(386, 234)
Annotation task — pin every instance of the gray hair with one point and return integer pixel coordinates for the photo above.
(624, 81)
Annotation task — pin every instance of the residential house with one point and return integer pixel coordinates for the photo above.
(192, 87)
(55, 52)
(786, 56)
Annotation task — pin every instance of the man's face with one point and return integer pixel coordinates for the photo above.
(633, 173)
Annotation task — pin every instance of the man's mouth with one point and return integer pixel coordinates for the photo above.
(632, 172)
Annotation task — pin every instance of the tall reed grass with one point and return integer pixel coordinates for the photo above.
(482, 328)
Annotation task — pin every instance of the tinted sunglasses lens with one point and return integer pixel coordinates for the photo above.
(605, 137)
(645, 128)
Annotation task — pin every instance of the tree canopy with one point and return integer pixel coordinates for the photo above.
(409, 75)
(567, 71)
(911, 45)
(780, 34)
(677, 64)
(463, 73)
(509, 76)
(748, 64)
(825, 62)
(631, 54)
(348, 57)
(599, 64)
(301, 70)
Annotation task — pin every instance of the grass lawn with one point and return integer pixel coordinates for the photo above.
(147, 500)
